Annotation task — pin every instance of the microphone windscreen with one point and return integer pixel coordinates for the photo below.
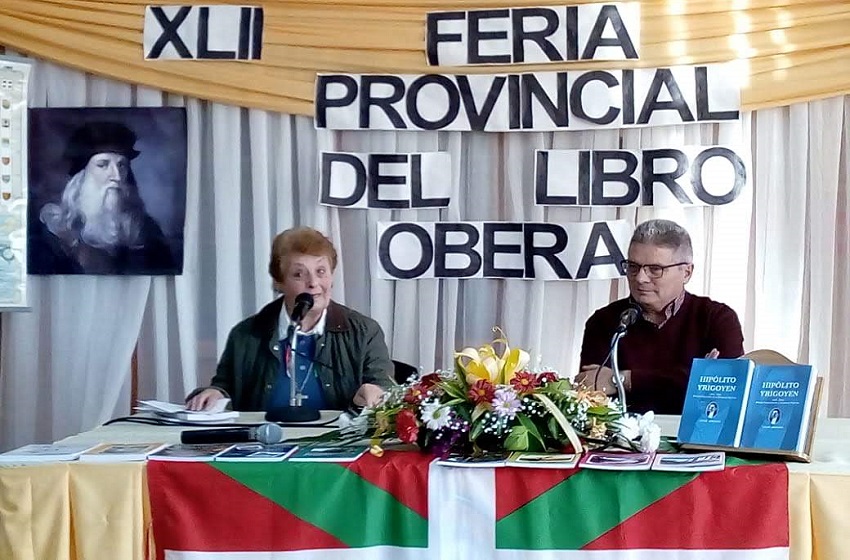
(305, 300)
(269, 433)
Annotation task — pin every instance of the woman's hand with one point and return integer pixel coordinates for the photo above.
(204, 400)
(368, 394)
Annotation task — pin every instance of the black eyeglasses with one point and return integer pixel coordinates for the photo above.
(654, 271)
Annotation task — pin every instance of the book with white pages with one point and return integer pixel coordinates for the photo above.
(45, 453)
(121, 452)
(179, 411)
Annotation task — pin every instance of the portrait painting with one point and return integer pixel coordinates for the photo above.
(107, 191)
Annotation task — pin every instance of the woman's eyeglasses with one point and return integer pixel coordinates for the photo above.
(654, 271)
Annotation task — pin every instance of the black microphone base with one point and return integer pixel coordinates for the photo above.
(293, 414)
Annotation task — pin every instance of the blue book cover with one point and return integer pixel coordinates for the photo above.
(716, 396)
(779, 407)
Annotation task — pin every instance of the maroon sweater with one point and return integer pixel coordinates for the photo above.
(660, 359)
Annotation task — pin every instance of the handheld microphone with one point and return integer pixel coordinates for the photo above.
(303, 304)
(628, 318)
(265, 433)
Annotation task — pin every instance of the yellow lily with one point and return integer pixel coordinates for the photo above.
(486, 363)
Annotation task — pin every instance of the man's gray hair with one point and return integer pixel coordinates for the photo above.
(665, 233)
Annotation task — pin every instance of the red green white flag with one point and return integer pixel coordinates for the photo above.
(399, 507)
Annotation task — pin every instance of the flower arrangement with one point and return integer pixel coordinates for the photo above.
(492, 402)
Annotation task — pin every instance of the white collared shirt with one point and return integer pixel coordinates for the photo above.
(284, 323)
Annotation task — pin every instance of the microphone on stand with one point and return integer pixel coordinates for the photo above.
(303, 304)
(265, 434)
(628, 318)
(295, 412)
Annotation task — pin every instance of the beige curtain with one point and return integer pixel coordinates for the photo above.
(794, 50)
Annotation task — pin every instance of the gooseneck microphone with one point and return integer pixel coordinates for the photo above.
(295, 411)
(265, 433)
(303, 304)
(628, 318)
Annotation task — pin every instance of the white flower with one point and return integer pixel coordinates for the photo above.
(628, 426)
(650, 433)
(435, 415)
(650, 438)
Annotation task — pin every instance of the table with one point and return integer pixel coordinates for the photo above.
(90, 511)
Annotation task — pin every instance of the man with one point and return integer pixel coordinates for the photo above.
(672, 329)
(100, 225)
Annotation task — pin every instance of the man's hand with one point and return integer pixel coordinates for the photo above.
(368, 394)
(603, 381)
(204, 400)
(714, 354)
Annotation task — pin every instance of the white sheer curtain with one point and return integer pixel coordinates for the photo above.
(778, 255)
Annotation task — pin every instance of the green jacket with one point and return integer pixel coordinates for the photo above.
(351, 352)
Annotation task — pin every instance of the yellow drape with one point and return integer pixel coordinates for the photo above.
(794, 50)
(74, 511)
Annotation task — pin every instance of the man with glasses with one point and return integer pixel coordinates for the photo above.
(673, 326)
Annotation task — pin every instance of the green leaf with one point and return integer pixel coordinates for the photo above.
(565, 425)
(529, 425)
(453, 390)
(517, 440)
(477, 430)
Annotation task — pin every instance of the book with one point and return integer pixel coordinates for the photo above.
(774, 416)
(180, 412)
(475, 461)
(120, 452)
(258, 452)
(45, 453)
(329, 453)
(690, 462)
(190, 452)
(778, 408)
(717, 394)
(616, 461)
(543, 460)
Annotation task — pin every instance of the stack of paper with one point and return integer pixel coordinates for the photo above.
(180, 412)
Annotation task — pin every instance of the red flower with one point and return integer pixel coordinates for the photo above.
(547, 377)
(429, 380)
(482, 391)
(525, 382)
(407, 426)
(415, 394)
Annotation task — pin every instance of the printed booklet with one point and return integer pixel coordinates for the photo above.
(190, 452)
(120, 452)
(478, 461)
(543, 460)
(45, 453)
(690, 462)
(739, 405)
(258, 452)
(329, 453)
(615, 461)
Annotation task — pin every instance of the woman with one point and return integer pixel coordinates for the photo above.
(340, 359)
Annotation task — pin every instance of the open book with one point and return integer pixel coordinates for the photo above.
(736, 404)
(180, 412)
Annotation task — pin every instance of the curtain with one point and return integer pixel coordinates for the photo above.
(778, 255)
(790, 50)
